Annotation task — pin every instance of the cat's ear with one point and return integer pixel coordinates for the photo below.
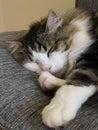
(53, 21)
(13, 45)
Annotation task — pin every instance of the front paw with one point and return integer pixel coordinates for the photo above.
(53, 116)
(62, 108)
(45, 81)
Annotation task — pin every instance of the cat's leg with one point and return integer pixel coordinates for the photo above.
(48, 81)
(65, 104)
(79, 86)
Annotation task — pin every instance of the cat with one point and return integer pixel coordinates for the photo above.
(63, 49)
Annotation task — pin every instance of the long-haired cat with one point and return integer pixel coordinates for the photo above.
(63, 49)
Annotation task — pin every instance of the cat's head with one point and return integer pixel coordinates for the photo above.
(44, 47)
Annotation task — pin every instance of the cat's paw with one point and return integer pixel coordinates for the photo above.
(62, 108)
(45, 81)
(53, 115)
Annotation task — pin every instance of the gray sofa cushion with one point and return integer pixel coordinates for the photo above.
(22, 100)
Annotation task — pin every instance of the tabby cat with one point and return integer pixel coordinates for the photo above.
(63, 49)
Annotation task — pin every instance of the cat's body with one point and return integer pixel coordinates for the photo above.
(51, 38)
(64, 45)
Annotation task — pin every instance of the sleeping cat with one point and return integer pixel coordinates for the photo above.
(63, 49)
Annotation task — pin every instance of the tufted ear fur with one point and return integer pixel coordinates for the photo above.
(53, 21)
(12, 46)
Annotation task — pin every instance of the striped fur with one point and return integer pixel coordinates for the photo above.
(56, 36)
(64, 44)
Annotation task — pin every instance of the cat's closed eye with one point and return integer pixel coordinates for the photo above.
(49, 52)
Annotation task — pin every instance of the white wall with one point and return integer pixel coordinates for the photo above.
(18, 14)
(1, 17)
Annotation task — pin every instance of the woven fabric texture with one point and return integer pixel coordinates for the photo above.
(22, 100)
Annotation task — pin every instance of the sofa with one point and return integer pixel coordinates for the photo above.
(22, 100)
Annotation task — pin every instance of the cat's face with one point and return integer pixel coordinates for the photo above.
(54, 44)
(50, 53)
(48, 49)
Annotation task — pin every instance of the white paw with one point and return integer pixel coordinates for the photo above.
(65, 104)
(53, 115)
(45, 81)
(61, 109)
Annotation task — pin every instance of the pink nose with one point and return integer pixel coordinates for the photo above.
(47, 69)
